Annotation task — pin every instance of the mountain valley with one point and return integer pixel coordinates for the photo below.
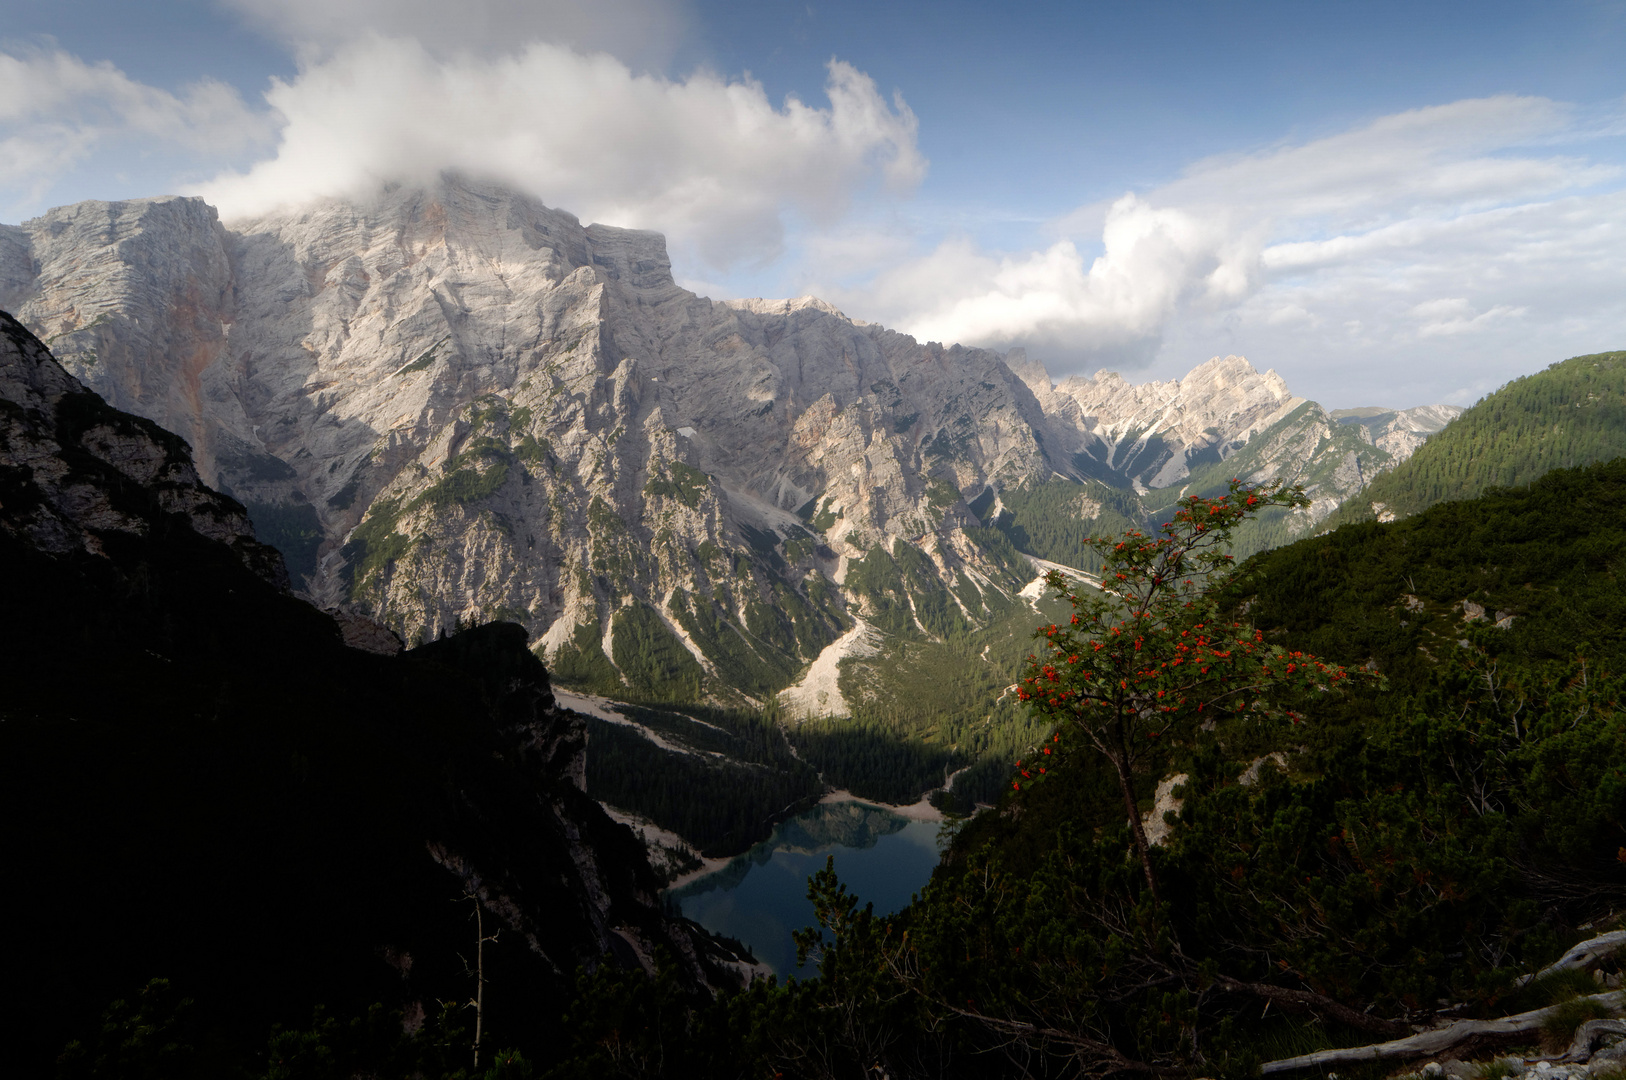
(755, 504)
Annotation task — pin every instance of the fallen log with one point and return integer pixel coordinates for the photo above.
(1439, 1040)
(1589, 1033)
(1579, 956)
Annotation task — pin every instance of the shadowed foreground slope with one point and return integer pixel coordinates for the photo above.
(199, 780)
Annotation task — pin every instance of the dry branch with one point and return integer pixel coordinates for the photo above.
(1431, 1043)
(1316, 1003)
(1580, 956)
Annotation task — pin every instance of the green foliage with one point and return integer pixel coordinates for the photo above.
(147, 1038)
(877, 579)
(654, 663)
(731, 779)
(797, 549)
(1558, 1028)
(951, 695)
(1395, 862)
(824, 519)
(625, 1025)
(1054, 519)
(603, 520)
(374, 546)
(903, 592)
(739, 662)
(1146, 656)
(425, 361)
(1571, 414)
(873, 760)
(941, 494)
(533, 450)
(473, 475)
(464, 486)
(1553, 989)
(375, 1044)
(997, 545)
(581, 664)
(685, 483)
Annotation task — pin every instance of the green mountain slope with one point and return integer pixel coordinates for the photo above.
(1401, 854)
(1052, 518)
(1573, 413)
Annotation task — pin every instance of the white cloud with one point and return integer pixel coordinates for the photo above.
(1153, 261)
(1456, 315)
(711, 162)
(1335, 248)
(56, 110)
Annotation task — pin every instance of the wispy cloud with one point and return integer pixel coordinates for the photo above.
(56, 110)
(1334, 245)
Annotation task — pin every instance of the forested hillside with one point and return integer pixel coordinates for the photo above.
(1341, 868)
(1400, 854)
(1571, 414)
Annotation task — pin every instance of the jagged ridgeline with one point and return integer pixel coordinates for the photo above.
(452, 404)
(1571, 414)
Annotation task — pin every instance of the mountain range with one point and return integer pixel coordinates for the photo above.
(206, 777)
(449, 405)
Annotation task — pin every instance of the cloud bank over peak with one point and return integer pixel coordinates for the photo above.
(1460, 221)
(1154, 262)
(709, 161)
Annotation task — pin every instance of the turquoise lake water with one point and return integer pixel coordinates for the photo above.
(761, 896)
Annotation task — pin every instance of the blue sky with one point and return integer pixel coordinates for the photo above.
(1388, 203)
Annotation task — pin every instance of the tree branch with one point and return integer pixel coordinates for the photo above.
(1318, 1003)
(1431, 1043)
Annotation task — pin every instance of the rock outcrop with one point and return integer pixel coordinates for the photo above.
(1398, 432)
(77, 470)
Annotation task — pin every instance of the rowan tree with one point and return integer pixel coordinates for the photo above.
(1147, 653)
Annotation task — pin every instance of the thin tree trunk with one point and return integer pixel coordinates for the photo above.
(1120, 762)
(480, 979)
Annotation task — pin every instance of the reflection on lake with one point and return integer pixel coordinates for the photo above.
(761, 896)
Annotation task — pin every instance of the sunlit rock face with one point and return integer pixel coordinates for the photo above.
(455, 404)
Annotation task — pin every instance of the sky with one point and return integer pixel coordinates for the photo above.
(1388, 203)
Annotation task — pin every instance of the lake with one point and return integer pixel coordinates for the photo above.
(761, 896)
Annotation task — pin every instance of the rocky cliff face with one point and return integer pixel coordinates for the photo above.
(456, 404)
(77, 470)
(1154, 432)
(1398, 432)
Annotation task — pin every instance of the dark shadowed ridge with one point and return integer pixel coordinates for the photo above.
(200, 781)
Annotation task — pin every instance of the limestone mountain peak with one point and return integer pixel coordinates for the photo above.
(453, 403)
